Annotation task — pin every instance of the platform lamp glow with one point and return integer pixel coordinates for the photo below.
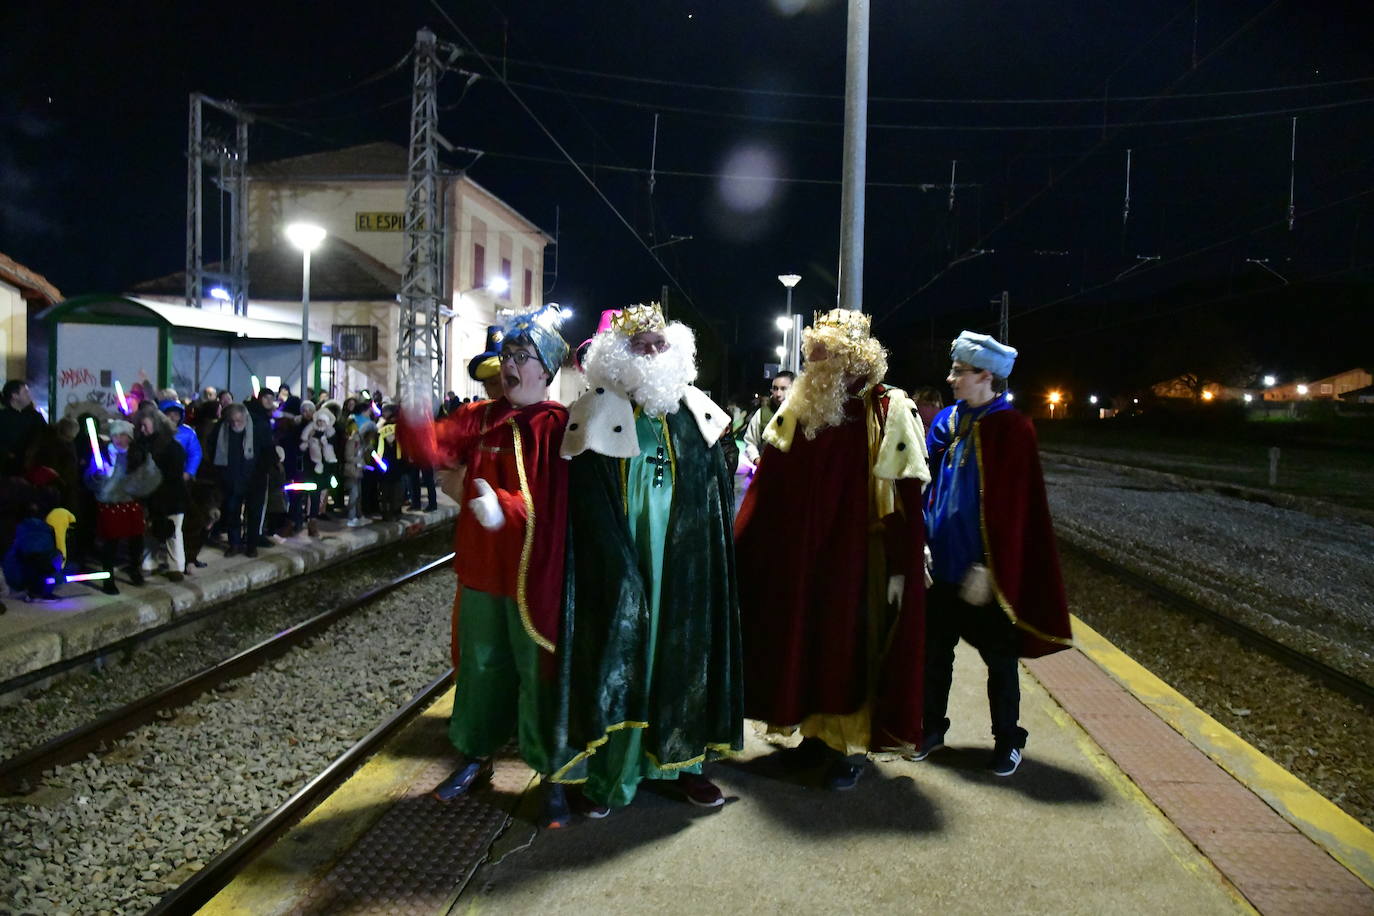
(307, 237)
(789, 281)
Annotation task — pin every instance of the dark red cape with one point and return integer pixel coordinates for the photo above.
(805, 548)
(1018, 534)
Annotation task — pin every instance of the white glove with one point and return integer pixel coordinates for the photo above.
(895, 586)
(486, 507)
(930, 564)
(976, 589)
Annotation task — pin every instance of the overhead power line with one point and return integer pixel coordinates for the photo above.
(942, 128)
(914, 100)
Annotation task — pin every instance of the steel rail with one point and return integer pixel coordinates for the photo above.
(197, 890)
(1299, 661)
(28, 766)
(20, 681)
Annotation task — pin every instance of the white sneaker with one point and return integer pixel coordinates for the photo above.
(356, 522)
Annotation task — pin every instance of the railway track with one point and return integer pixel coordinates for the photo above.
(1332, 678)
(26, 768)
(196, 891)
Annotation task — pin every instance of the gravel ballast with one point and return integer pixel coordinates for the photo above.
(114, 832)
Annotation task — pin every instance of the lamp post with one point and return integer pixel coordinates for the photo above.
(794, 323)
(784, 323)
(307, 237)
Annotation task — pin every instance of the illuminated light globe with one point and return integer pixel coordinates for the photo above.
(1207, 395)
(784, 323)
(498, 285)
(1092, 399)
(781, 351)
(1302, 389)
(1249, 397)
(1270, 381)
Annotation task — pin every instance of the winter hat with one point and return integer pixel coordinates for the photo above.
(120, 427)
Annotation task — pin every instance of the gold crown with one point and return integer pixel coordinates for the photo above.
(639, 318)
(854, 324)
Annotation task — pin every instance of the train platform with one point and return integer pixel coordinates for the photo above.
(1130, 800)
(84, 620)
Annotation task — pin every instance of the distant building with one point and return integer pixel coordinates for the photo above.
(23, 293)
(1328, 388)
(1185, 387)
(358, 195)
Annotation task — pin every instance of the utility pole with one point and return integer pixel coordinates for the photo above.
(855, 155)
(420, 344)
(232, 162)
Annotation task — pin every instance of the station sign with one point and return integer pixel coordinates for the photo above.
(380, 221)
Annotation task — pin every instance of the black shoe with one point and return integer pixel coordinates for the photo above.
(109, 587)
(556, 814)
(462, 780)
(232, 549)
(199, 564)
(1005, 760)
(844, 774)
(585, 806)
(812, 752)
(432, 507)
(251, 551)
(930, 745)
(135, 575)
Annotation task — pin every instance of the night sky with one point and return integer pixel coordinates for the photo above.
(93, 132)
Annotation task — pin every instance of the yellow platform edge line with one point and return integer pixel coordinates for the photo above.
(1346, 839)
(281, 877)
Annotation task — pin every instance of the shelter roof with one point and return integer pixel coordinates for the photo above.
(32, 285)
(339, 272)
(148, 311)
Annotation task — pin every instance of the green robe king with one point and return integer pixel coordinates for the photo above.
(650, 648)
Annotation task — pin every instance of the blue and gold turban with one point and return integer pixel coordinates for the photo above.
(541, 328)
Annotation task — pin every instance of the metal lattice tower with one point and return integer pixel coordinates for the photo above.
(420, 345)
(232, 162)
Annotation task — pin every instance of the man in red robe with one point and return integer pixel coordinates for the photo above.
(509, 547)
(833, 641)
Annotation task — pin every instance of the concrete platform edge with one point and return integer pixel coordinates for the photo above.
(1344, 838)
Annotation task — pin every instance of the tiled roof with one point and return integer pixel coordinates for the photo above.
(370, 160)
(32, 285)
(339, 272)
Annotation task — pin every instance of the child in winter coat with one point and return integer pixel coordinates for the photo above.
(320, 463)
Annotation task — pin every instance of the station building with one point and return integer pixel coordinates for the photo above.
(24, 293)
(358, 196)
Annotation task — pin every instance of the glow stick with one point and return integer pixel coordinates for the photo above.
(95, 443)
(378, 458)
(333, 481)
(256, 386)
(119, 390)
(81, 577)
(300, 486)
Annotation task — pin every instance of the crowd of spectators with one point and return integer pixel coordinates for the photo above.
(145, 487)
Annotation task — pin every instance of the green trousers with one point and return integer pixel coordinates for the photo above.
(499, 694)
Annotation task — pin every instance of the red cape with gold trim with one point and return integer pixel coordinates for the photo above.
(524, 559)
(813, 568)
(1018, 535)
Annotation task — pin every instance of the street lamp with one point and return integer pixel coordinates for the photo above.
(1270, 381)
(307, 237)
(794, 322)
(1054, 401)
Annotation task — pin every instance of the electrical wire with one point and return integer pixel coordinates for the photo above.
(1080, 100)
(333, 94)
(566, 155)
(941, 128)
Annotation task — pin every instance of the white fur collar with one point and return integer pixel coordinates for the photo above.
(602, 420)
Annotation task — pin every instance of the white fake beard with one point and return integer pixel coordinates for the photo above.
(818, 395)
(656, 383)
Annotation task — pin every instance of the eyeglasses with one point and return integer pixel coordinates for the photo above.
(519, 357)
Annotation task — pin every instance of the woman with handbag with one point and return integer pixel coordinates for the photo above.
(120, 479)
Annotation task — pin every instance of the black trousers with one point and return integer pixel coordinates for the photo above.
(989, 631)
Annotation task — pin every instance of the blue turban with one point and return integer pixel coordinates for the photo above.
(541, 327)
(983, 352)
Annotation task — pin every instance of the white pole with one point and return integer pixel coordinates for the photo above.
(855, 154)
(305, 322)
